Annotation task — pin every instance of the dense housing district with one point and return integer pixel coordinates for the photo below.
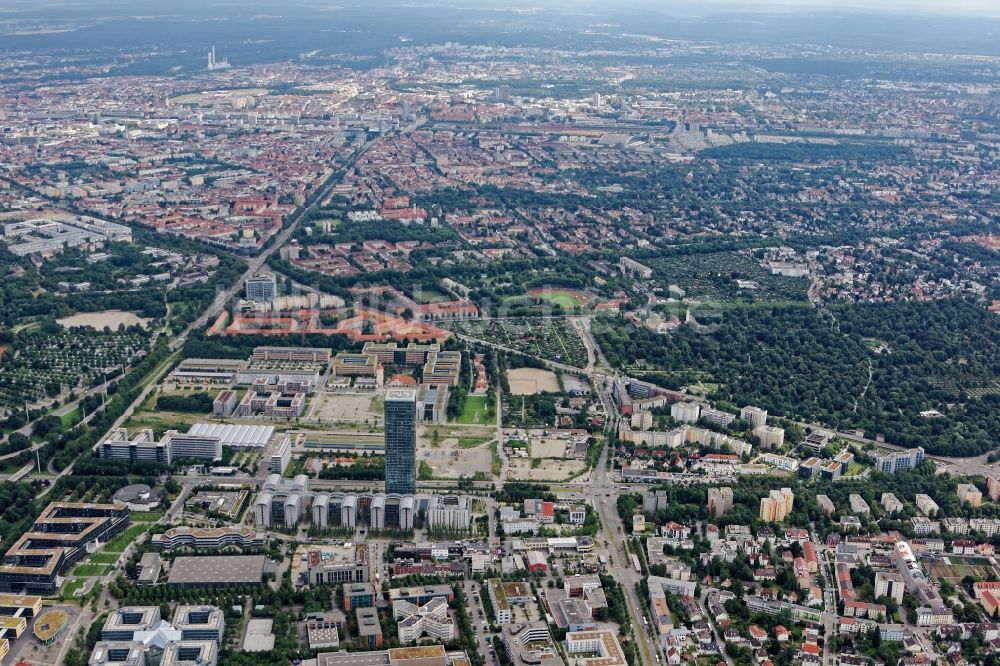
(586, 348)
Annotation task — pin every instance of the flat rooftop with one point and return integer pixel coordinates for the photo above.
(221, 569)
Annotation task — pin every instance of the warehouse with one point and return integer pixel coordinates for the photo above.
(217, 570)
(235, 435)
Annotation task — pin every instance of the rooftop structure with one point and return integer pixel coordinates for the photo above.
(58, 539)
(217, 570)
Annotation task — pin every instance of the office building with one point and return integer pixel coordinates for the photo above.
(191, 446)
(891, 462)
(358, 595)
(720, 500)
(118, 446)
(369, 629)
(451, 512)
(262, 287)
(282, 456)
(200, 623)
(122, 624)
(338, 564)
(498, 599)
(400, 441)
(530, 643)
(280, 502)
(430, 619)
(59, 538)
(190, 653)
(755, 416)
(207, 538)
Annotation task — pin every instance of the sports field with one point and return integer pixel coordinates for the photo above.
(568, 299)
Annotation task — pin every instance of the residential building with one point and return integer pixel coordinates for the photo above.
(890, 504)
(770, 437)
(889, 584)
(895, 461)
(262, 287)
(969, 494)
(926, 505)
(720, 500)
(685, 412)
(993, 487)
(755, 416)
(858, 505)
(776, 505)
(825, 504)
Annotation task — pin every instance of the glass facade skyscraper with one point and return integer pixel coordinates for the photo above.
(401, 441)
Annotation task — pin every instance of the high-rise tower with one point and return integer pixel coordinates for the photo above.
(401, 441)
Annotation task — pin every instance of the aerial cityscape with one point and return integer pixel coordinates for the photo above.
(555, 333)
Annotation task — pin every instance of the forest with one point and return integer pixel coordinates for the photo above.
(814, 365)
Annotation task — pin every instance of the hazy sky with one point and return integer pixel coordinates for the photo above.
(991, 7)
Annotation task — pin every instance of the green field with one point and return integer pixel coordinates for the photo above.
(104, 558)
(472, 442)
(147, 516)
(91, 569)
(474, 411)
(70, 588)
(566, 299)
(122, 541)
(70, 419)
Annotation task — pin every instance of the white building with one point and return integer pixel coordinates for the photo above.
(926, 505)
(890, 504)
(431, 619)
(755, 416)
(685, 412)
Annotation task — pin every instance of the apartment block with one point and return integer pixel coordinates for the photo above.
(720, 500)
(969, 494)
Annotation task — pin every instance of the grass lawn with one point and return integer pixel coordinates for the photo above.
(147, 516)
(104, 558)
(496, 465)
(474, 410)
(472, 442)
(564, 298)
(70, 588)
(121, 542)
(855, 469)
(71, 419)
(91, 569)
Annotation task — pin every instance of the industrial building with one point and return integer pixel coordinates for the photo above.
(216, 570)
